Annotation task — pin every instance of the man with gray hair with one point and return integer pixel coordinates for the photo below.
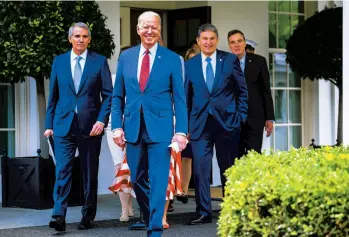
(150, 76)
(76, 116)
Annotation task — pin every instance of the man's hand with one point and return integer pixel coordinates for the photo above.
(97, 129)
(48, 133)
(181, 140)
(119, 137)
(269, 127)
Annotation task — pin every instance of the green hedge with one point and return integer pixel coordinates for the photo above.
(296, 193)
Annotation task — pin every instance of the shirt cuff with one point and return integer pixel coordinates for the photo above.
(180, 133)
(101, 123)
(116, 129)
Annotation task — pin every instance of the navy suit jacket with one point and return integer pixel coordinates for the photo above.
(227, 100)
(162, 99)
(96, 83)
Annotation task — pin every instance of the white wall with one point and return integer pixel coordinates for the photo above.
(345, 72)
(251, 17)
(125, 26)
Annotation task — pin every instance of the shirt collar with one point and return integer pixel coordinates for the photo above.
(152, 50)
(213, 56)
(74, 55)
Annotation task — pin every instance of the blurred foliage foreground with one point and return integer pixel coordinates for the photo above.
(296, 193)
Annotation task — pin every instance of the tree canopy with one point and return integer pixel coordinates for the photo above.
(34, 32)
(314, 50)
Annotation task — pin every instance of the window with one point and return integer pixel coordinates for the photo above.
(7, 120)
(284, 16)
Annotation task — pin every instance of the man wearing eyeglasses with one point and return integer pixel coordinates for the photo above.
(150, 77)
(260, 103)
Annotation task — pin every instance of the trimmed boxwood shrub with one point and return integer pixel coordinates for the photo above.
(296, 193)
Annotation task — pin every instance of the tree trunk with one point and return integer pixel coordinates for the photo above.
(340, 115)
(40, 87)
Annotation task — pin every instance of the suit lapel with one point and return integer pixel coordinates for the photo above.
(69, 72)
(156, 65)
(219, 65)
(200, 76)
(134, 69)
(87, 68)
(248, 61)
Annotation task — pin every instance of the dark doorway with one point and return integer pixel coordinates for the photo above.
(183, 25)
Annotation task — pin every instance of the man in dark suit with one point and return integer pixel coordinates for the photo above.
(260, 103)
(217, 103)
(150, 77)
(76, 116)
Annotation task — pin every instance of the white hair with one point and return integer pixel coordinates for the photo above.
(145, 15)
(79, 24)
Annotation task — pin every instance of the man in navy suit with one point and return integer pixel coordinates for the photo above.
(76, 116)
(150, 77)
(217, 103)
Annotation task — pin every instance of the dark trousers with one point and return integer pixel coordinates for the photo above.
(227, 149)
(89, 150)
(149, 163)
(251, 139)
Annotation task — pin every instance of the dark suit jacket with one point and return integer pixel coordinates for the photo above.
(95, 83)
(260, 103)
(227, 100)
(162, 99)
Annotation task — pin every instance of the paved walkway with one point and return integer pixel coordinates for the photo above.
(13, 219)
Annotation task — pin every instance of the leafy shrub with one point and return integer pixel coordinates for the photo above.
(296, 193)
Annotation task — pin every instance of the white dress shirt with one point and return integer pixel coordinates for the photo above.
(213, 63)
(152, 55)
(73, 61)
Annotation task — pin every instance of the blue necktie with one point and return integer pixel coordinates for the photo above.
(77, 77)
(209, 74)
(77, 74)
(242, 65)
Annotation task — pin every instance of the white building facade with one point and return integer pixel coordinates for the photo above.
(304, 109)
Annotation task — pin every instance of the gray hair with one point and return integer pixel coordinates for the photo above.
(79, 24)
(147, 14)
(207, 27)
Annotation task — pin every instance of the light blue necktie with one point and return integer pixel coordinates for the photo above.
(209, 74)
(77, 77)
(242, 65)
(77, 74)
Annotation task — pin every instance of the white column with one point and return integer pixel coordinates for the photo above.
(111, 9)
(106, 170)
(345, 71)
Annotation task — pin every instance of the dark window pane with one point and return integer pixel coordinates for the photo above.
(297, 6)
(284, 6)
(272, 31)
(284, 30)
(281, 138)
(295, 106)
(280, 68)
(280, 106)
(7, 106)
(294, 79)
(272, 5)
(296, 136)
(295, 21)
(180, 33)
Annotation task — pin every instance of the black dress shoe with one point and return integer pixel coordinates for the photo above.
(85, 224)
(200, 220)
(183, 198)
(170, 207)
(58, 223)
